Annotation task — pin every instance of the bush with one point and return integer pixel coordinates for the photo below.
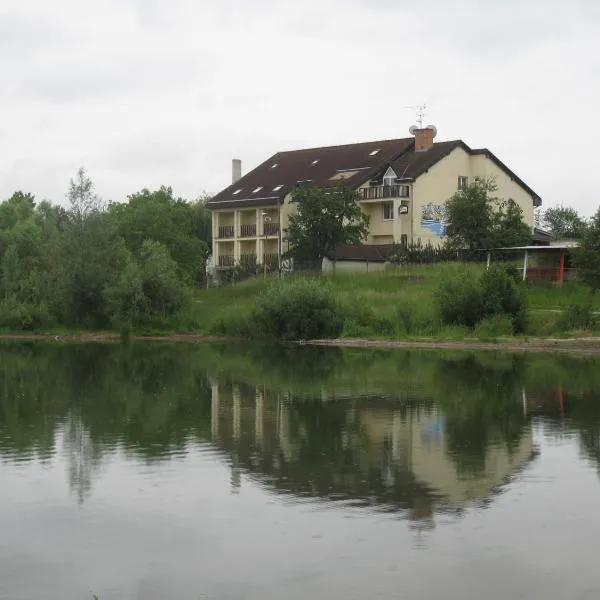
(464, 301)
(494, 326)
(298, 310)
(459, 302)
(19, 316)
(577, 316)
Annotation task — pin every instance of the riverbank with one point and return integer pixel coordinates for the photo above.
(583, 346)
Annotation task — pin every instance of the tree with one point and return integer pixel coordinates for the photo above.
(477, 220)
(563, 222)
(174, 222)
(586, 258)
(326, 218)
(82, 197)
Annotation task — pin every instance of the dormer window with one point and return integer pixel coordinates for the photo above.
(389, 179)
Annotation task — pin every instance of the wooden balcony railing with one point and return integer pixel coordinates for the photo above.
(226, 231)
(385, 191)
(247, 230)
(226, 260)
(271, 229)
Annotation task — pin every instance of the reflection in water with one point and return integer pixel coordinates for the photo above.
(379, 452)
(198, 457)
(83, 460)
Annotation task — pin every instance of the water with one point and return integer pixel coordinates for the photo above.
(182, 471)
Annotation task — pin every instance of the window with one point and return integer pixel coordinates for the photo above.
(404, 191)
(277, 188)
(404, 240)
(389, 179)
(273, 166)
(374, 152)
(237, 192)
(257, 189)
(462, 182)
(387, 210)
(314, 162)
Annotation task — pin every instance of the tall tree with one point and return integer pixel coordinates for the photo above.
(586, 258)
(563, 222)
(479, 220)
(326, 218)
(83, 199)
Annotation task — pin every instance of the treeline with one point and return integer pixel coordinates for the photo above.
(99, 265)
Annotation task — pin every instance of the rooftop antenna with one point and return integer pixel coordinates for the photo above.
(420, 111)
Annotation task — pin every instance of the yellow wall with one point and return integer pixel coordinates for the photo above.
(441, 182)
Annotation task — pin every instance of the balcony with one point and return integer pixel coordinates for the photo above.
(248, 260)
(271, 229)
(226, 260)
(385, 191)
(247, 231)
(226, 231)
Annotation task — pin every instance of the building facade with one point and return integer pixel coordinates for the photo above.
(403, 185)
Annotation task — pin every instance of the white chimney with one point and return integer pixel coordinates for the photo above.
(236, 170)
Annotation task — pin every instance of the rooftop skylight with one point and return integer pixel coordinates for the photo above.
(314, 162)
(277, 188)
(374, 152)
(237, 192)
(260, 187)
(274, 165)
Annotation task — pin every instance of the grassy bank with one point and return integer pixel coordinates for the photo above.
(395, 304)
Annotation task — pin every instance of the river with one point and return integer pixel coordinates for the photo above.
(184, 471)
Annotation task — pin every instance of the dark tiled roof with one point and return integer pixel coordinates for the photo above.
(268, 184)
(300, 165)
(370, 253)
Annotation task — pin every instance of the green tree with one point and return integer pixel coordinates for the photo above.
(174, 222)
(83, 199)
(479, 220)
(586, 258)
(563, 222)
(325, 218)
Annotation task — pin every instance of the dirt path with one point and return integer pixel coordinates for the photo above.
(585, 346)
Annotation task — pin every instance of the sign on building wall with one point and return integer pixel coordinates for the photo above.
(433, 218)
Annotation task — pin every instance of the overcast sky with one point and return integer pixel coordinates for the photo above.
(150, 92)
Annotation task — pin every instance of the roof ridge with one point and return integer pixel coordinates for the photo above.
(344, 145)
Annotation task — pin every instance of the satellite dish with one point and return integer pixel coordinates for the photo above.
(433, 128)
(412, 129)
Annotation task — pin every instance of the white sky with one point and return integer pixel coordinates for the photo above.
(151, 92)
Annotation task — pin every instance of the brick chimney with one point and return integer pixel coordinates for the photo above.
(423, 137)
(236, 170)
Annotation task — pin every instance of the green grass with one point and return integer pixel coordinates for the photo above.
(392, 304)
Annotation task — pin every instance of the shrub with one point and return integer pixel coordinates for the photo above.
(464, 301)
(459, 302)
(577, 316)
(24, 316)
(298, 310)
(494, 326)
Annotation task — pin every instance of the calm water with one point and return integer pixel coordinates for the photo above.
(156, 471)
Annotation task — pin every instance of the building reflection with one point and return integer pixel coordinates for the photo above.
(386, 453)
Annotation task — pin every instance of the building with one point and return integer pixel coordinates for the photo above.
(403, 186)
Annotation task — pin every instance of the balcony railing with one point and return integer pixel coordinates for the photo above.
(248, 260)
(271, 229)
(226, 260)
(226, 231)
(247, 230)
(385, 191)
